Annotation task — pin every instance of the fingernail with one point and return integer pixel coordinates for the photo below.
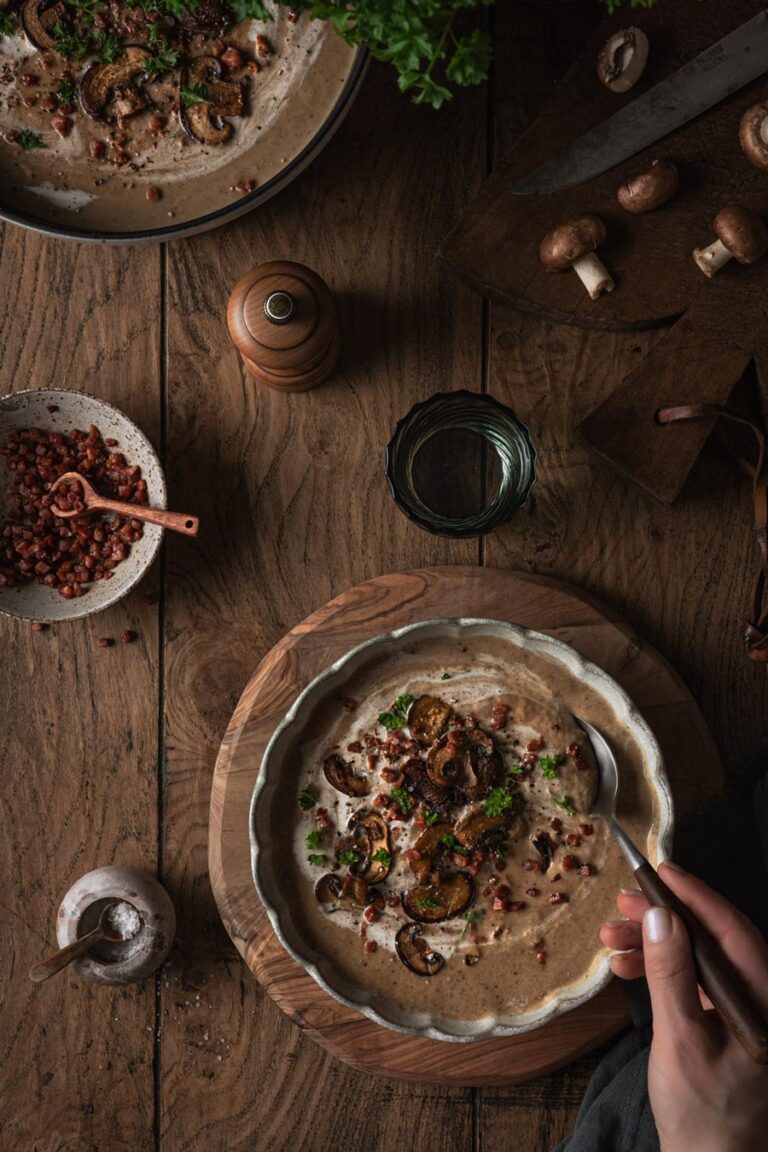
(631, 892)
(657, 925)
(673, 867)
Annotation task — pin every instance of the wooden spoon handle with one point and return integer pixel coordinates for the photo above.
(717, 976)
(53, 964)
(175, 521)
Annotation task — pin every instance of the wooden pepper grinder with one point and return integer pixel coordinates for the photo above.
(284, 322)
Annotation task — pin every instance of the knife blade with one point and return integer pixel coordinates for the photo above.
(728, 65)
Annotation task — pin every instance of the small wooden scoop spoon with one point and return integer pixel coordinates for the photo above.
(176, 521)
(53, 964)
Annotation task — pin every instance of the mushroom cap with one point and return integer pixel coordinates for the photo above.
(621, 60)
(753, 135)
(649, 189)
(574, 238)
(742, 232)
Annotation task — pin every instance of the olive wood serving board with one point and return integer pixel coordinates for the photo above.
(718, 324)
(358, 614)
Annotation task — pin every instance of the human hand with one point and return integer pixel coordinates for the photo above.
(705, 1091)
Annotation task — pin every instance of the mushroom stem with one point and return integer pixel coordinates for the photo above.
(711, 258)
(593, 274)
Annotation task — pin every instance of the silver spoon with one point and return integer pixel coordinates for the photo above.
(717, 976)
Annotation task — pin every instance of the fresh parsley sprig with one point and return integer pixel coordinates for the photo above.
(498, 801)
(349, 857)
(402, 799)
(549, 765)
(381, 856)
(398, 717)
(29, 140)
(564, 802)
(197, 94)
(7, 25)
(307, 799)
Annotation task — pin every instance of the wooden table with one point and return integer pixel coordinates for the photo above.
(107, 753)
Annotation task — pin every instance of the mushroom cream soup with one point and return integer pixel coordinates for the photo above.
(438, 843)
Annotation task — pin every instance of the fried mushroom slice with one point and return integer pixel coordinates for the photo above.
(421, 783)
(415, 953)
(370, 836)
(203, 120)
(39, 18)
(478, 832)
(543, 845)
(114, 83)
(429, 846)
(445, 762)
(441, 898)
(468, 760)
(340, 776)
(333, 890)
(427, 718)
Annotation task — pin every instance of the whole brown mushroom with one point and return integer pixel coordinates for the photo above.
(753, 135)
(621, 60)
(572, 245)
(650, 189)
(741, 236)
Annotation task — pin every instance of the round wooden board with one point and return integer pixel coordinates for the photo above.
(367, 610)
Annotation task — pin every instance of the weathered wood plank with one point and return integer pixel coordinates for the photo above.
(78, 750)
(295, 508)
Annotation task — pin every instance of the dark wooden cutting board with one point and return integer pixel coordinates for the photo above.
(717, 325)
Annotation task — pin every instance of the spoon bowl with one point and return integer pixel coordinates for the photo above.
(58, 960)
(91, 501)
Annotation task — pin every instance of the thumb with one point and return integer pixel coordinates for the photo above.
(670, 973)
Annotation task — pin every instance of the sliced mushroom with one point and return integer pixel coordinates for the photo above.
(427, 718)
(650, 189)
(335, 890)
(429, 846)
(38, 19)
(621, 60)
(573, 245)
(113, 83)
(753, 135)
(484, 766)
(370, 835)
(741, 236)
(339, 774)
(543, 845)
(477, 831)
(415, 953)
(442, 898)
(445, 762)
(204, 121)
(421, 783)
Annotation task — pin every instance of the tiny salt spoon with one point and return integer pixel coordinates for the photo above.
(54, 963)
(176, 521)
(716, 975)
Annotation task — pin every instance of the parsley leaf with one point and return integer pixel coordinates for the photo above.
(398, 717)
(349, 857)
(499, 800)
(402, 799)
(516, 770)
(165, 61)
(250, 10)
(471, 917)
(430, 818)
(314, 858)
(451, 844)
(69, 43)
(427, 902)
(445, 676)
(307, 799)
(314, 837)
(109, 47)
(67, 91)
(197, 94)
(565, 803)
(29, 140)
(550, 764)
(381, 856)
(7, 26)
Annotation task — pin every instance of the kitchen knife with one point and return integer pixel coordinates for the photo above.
(728, 65)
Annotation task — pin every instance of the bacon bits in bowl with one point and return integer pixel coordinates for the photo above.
(52, 568)
(422, 829)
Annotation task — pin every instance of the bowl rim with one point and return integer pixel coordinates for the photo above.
(431, 1025)
(153, 543)
(226, 212)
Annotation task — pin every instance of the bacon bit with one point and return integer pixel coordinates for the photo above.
(348, 703)
(471, 722)
(371, 761)
(392, 776)
(472, 868)
(27, 80)
(253, 67)
(370, 946)
(232, 58)
(500, 904)
(157, 122)
(419, 821)
(380, 800)
(129, 636)
(355, 746)
(62, 124)
(371, 914)
(246, 186)
(292, 16)
(322, 819)
(66, 108)
(541, 958)
(535, 745)
(573, 840)
(50, 103)
(499, 715)
(568, 862)
(371, 742)
(516, 906)
(586, 870)
(586, 829)
(577, 755)
(455, 721)
(12, 136)
(471, 959)
(393, 901)
(39, 626)
(412, 855)
(154, 194)
(556, 824)
(531, 866)
(529, 760)
(531, 891)
(558, 898)
(263, 46)
(105, 642)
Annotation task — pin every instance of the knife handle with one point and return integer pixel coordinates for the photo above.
(716, 975)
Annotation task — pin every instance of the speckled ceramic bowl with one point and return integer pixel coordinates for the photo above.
(270, 791)
(78, 410)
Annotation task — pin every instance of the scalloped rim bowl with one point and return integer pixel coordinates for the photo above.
(268, 786)
(77, 410)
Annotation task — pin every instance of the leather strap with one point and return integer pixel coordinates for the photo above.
(756, 633)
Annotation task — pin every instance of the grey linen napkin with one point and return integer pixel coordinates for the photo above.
(726, 844)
